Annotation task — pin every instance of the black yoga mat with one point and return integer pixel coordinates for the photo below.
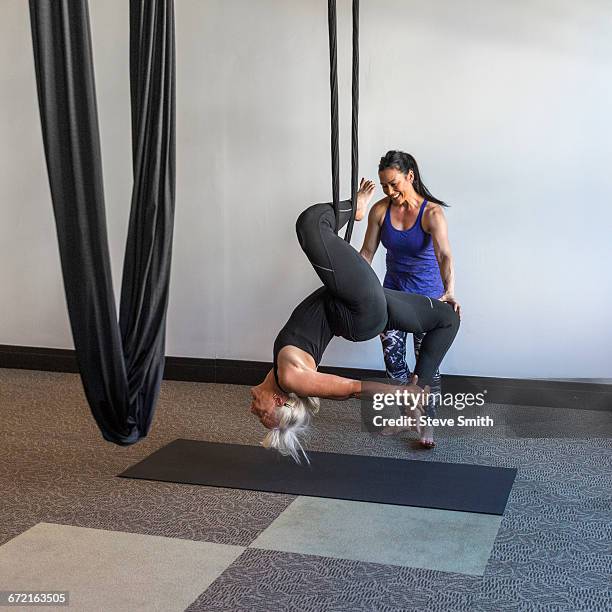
(404, 482)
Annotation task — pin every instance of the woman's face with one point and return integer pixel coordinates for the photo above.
(264, 405)
(395, 183)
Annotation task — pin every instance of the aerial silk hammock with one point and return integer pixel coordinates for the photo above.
(333, 80)
(121, 362)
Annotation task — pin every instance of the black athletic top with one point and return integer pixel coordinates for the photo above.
(308, 328)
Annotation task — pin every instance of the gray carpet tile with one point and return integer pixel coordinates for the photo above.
(551, 552)
(104, 570)
(443, 540)
(269, 580)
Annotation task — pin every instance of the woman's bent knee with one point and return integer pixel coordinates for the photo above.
(448, 316)
(311, 217)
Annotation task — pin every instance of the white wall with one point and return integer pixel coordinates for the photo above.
(506, 107)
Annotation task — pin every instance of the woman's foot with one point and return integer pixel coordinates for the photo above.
(426, 435)
(426, 439)
(364, 195)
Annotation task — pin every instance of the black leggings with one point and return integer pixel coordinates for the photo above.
(359, 308)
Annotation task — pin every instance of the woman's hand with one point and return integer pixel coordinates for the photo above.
(449, 298)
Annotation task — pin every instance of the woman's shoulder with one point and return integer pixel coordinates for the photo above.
(431, 214)
(378, 211)
(431, 208)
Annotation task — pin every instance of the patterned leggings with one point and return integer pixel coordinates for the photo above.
(394, 352)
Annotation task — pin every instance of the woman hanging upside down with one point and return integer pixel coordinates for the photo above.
(352, 304)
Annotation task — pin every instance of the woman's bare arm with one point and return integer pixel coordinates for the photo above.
(310, 383)
(372, 235)
(437, 226)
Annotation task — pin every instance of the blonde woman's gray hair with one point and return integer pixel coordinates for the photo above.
(295, 417)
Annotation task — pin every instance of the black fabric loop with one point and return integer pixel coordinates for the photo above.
(333, 85)
(333, 81)
(121, 363)
(354, 121)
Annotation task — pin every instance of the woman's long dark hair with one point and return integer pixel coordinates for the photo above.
(404, 162)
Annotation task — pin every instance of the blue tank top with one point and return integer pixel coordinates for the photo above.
(412, 266)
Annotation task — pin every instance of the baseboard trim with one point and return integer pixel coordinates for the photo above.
(527, 392)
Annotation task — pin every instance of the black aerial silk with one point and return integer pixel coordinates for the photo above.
(333, 85)
(121, 365)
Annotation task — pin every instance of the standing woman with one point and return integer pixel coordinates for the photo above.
(411, 224)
